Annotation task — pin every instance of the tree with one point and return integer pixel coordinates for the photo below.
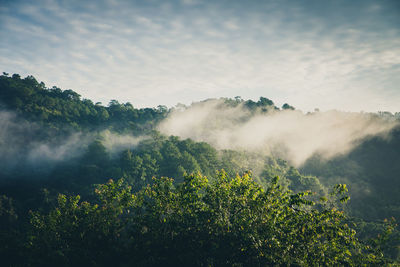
(231, 221)
(286, 106)
(80, 233)
(264, 102)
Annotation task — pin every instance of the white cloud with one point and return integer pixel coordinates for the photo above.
(163, 56)
(288, 134)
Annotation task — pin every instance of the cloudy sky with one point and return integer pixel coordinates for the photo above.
(312, 54)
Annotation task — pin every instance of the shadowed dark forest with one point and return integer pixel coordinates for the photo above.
(249, 183)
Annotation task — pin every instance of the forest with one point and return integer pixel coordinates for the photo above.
(221, 182)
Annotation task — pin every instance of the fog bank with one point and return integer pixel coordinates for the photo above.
(27, 146)
(289, 134)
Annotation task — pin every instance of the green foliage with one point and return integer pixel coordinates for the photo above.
(53, 107)
(199, 218)
(291, 178)
(230, 221)
(286, 106)
(371, 171)
(12, 239)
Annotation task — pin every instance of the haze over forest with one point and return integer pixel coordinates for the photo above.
(53, 142)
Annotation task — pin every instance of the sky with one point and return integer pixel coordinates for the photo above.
(340, 54)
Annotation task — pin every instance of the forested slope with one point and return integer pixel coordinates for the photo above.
(53, 142)
(373, 171)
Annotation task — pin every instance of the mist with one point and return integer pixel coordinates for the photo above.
(115, 143)
(26, 146)
(288, 134)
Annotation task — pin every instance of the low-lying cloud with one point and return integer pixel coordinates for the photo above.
(72, 146)
(115, 143)
(24, 147)
(289, 134)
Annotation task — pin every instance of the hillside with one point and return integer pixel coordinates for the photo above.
(56, 146)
